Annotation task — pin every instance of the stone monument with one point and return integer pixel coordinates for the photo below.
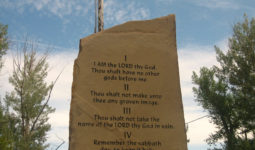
(126, 89)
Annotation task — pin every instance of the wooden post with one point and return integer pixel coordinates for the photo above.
(95, 29)
(100, 15)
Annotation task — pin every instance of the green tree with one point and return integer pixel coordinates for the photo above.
(4, 140)
(5, 137)
(242, 71)
(3, 42)
(227, 92)
(27, 106)
(8, 129)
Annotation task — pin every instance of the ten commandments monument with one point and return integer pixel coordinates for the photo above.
(126, 89)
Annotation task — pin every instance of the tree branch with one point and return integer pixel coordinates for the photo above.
(63, 141)
(45, 104)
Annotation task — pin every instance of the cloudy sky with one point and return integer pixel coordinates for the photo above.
(59, 24)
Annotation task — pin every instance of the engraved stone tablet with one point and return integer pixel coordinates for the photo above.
(126, 89)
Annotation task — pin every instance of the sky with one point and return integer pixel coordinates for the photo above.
(58, 25)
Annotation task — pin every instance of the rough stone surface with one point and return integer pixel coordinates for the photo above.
(126, 89)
